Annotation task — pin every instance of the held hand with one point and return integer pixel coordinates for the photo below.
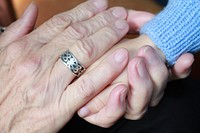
(181, 69)
(37, 93)
(147, 80)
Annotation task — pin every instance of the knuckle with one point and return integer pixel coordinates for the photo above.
(110, 34)
(29, 64)
(86, 87)
(83, 10)
(76, 31)
(87, 49)
(58, 22)
(104, 18)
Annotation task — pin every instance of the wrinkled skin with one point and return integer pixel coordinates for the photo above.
(36, 89)
(38, 95)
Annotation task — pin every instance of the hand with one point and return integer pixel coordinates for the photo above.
(37, 93)
(182, 68)
(144, 90)
(136, 19)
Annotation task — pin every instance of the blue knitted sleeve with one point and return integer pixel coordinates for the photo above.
(176, 29)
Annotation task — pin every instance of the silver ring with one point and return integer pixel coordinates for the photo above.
(72, 63)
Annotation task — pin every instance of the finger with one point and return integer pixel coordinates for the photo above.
(88, 50)
(91, 83)
(183, 66)
(141, 88)
(90, 26)
(136, 19)
(20, 27)
(113, 110)
(60, 22)
(87, 28)
(157, 70)
(97, 103)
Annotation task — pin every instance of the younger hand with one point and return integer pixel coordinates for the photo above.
(146, 77)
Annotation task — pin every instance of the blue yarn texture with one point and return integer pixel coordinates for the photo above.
(176, 29)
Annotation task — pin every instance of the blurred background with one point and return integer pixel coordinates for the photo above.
(48, 8)
(10, 10)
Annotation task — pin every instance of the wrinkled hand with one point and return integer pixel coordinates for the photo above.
(146, 77)
(36, 89)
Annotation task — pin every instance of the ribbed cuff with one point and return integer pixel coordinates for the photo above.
(176, 29)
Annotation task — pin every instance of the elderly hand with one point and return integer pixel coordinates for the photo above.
(146, 76)
(36, 89)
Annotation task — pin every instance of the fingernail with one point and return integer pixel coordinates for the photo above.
(28, 9)
(151, 58)
(99, 3)
(83, 112)
(119, 13)
(123, 95)
(121, 56)
(141, 68)
(121, 24)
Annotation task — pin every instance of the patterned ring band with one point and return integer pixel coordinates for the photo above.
(72, 63)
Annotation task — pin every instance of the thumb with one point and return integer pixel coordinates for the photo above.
(183, 66)
(21, 27)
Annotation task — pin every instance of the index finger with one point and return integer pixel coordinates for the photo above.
(60, 22)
